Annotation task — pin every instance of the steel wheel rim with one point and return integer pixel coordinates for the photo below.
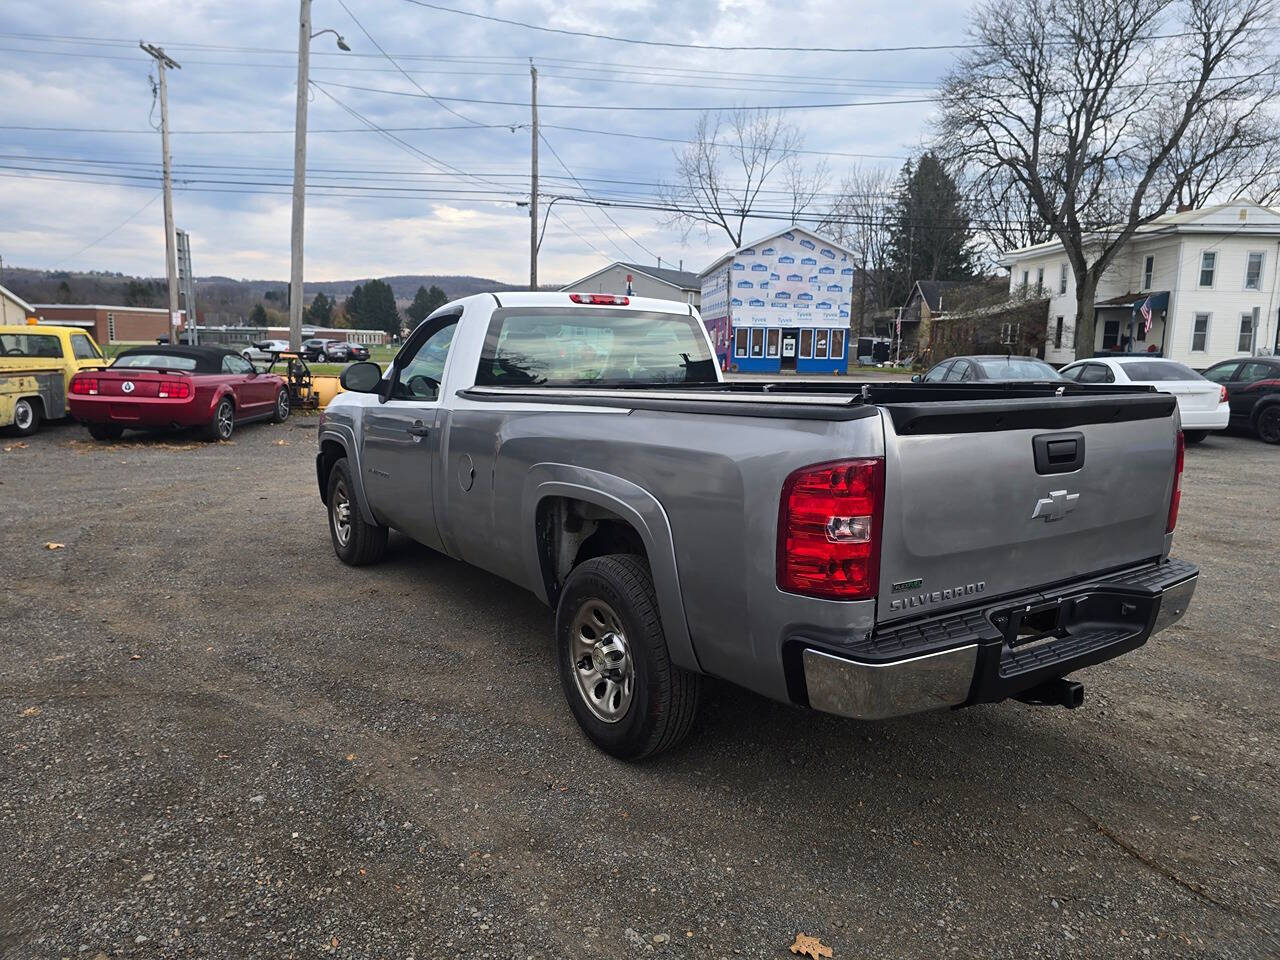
(282, 405)
(23, 414)
(1269, 425)
(603, 669)
(224, 420)
(341, 514)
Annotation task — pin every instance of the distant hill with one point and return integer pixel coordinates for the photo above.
(220, 299)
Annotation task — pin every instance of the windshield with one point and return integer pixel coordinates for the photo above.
(1017, 368)
(593, 348)
(156, 361)
(1141, 371)
(30, 345)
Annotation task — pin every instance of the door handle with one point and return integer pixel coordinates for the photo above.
(419, 429)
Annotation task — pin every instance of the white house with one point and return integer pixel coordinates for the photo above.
(13, 309)
(642, 280)
(1208, 276)
(781, 303)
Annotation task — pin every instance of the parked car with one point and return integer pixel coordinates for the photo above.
(155, 388)
(1253, 393)
(344, 351)
(313, 349)
(868, 549)
(264, 351)
(1202, 405)
(37, 362)
(988, 368)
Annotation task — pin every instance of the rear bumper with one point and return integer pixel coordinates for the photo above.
(987, 654)
(1216, 419)
(140, 412)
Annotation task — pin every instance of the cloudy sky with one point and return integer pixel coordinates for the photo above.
(437, 192)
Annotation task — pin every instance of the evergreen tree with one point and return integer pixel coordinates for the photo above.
(64, 292)
(320, 311)
(372, 306)
(426, 302)
(932, 236)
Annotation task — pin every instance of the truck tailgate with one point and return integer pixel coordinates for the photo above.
(992, 497)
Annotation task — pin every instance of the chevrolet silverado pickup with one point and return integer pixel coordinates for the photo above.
(865, 549)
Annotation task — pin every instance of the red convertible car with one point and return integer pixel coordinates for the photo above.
(155, 388)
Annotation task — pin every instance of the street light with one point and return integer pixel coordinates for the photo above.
(546, 216)
(305, 36)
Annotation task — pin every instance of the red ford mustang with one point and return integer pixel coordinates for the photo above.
(154, 388)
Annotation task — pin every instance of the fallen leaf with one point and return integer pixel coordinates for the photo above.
(135, 657)
(812, 947)
(351, 756)
(282, 443)
(334, 941)
(31, 712)
(54, 546)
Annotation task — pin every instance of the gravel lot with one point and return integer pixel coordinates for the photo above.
(218, 741)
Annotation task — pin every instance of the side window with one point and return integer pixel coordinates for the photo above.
(966, 371)
(958, 371)
(937, 373)
(82, 347)
(420, 377)
(1222, 372)
(1254, 371)
(1070, 373)
(1095, 373)
(233, 364)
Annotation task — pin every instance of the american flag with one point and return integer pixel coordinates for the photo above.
(1145, 310)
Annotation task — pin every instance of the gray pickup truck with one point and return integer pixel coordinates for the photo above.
(865, 549)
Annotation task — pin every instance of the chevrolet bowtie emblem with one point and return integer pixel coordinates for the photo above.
(1055, 506)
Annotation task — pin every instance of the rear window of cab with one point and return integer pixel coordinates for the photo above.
(43, 345)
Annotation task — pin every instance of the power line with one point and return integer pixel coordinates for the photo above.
(119, 226)
(719, 47)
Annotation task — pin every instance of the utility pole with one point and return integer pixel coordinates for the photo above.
(533, 181)
(163, 61)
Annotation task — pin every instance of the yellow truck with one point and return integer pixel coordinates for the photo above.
(37, 363)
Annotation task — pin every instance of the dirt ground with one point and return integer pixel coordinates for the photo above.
(217, 741)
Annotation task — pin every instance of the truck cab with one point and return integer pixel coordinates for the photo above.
(37, 362)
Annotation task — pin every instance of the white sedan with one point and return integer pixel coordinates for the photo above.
(1202, 404)
(263, 350)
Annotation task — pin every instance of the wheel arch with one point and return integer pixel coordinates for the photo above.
(623, 517)
(334, 446)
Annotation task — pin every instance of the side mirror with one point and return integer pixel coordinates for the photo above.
(916, 378)
(362, 377)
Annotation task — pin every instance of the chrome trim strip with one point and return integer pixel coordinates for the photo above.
(870, 691)
(588, 394)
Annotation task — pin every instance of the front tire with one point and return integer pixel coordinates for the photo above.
(615, 670)
(26, 416)
(223, 423)
(1268, 424)
(1194, 436)
(105, 431)
(354, 541)
(281, 413)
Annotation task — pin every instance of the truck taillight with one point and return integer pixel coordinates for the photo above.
(174, 389)
(600, 299)
(1222, 394)
(85, 386)
(1176, 500)
(829, 530)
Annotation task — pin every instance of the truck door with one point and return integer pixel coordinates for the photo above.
(402, 438)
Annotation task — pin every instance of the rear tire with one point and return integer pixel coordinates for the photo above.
(223, 423)
(282, 407)
(26, 416)
(1194, 436)
(1268, 424)
(354, 541)
(105, 431)
(615, 669)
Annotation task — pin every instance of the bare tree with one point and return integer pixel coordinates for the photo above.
(1104, 129)
(1005, 216)
(722, 173)
(861, 218)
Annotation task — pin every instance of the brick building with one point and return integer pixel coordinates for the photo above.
(108, 324)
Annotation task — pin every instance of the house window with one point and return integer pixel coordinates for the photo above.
(1026, 279)
(1245, 343)
(1253, 271)
(1208, 262)
(820, 344)
(1111, 335)
(757, 342)
(771, 345)
(837, 344)
(806, 343)
(1200, 333)
(1039, 281)
(111, 327)
(1062, 278)
(1057, 334)
(740, 342)
(1148, 268)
